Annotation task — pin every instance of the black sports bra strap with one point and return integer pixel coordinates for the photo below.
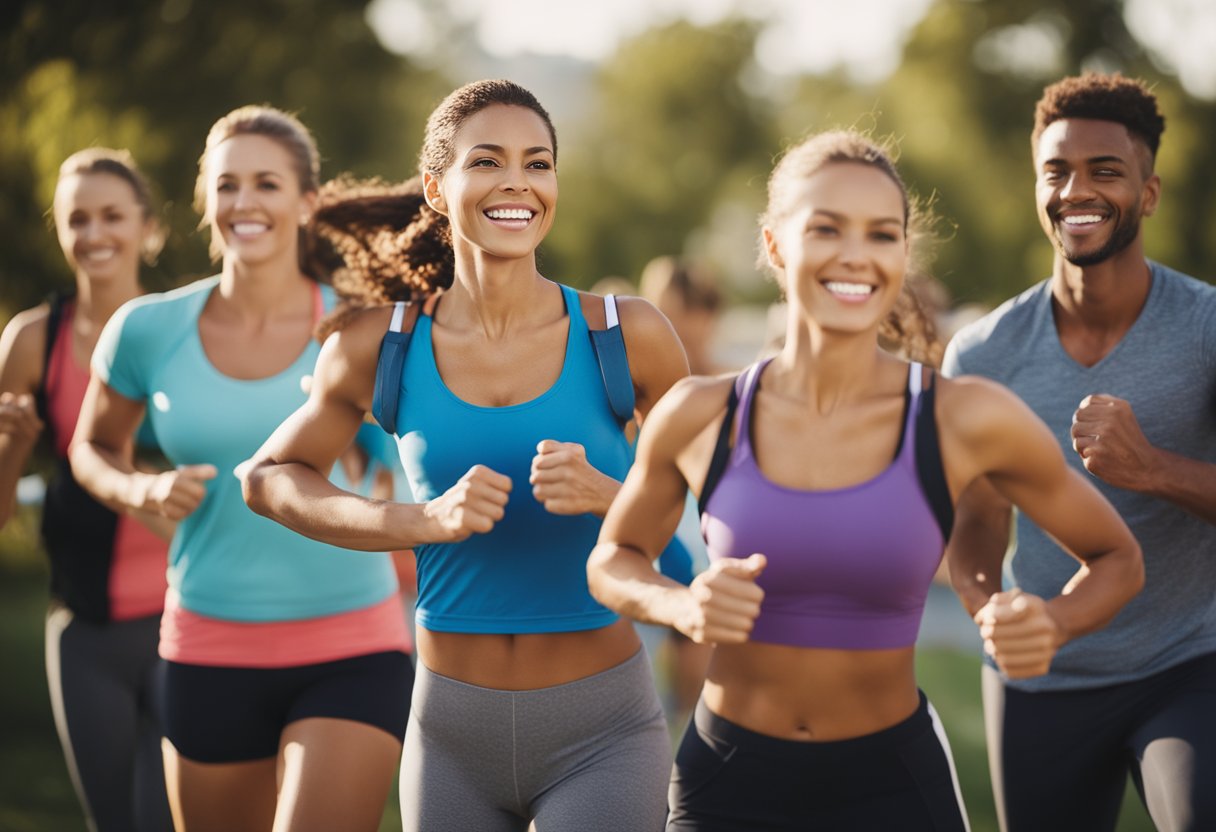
(929, 469)
(722, 449)
(53, 321)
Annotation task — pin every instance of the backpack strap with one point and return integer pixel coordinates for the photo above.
(722, 449)
(54, 318)
(393, 348)
(929, 470)
(609, 347)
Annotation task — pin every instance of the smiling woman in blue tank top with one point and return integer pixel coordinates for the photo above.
(827, 477)
(532, 701)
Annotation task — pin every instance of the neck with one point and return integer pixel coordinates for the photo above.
(1105, 296)
(97, 300)
(826, 369)
(261, 289)
(494, 294)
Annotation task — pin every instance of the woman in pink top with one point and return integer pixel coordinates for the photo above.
(107, 570)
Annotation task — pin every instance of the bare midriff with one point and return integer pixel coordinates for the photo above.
(526, 661)
(811, 694)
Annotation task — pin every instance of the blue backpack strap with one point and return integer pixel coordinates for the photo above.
(609, 347)
(387, 392)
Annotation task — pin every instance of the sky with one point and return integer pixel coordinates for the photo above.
(866, 37)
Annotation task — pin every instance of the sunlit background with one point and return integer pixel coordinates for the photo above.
(670, 114)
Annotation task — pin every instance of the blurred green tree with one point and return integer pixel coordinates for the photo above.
(153, 75)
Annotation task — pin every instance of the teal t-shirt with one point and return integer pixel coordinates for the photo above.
(226, 561)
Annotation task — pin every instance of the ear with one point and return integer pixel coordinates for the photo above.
(433, 194)
(1151, 195)
(308, 204)
(770, 248)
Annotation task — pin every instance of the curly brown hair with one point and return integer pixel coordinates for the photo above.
(1126, 101)
(910, 327)
(290, 134)
(392, 245)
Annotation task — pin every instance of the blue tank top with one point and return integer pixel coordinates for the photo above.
(848, 568)
(529, 573)
(225, 561)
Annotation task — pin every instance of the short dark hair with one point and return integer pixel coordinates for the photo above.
(1126, 101)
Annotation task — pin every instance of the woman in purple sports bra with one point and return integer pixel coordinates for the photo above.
(827, 477)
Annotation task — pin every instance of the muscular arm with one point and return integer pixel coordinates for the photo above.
(1009, 445)
(286, 480)
(976, 552)
(722, 602)
(21, 350)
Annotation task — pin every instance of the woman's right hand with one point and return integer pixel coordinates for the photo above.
(723, 602)
(177, 493)
(18, 417)
(472, 506)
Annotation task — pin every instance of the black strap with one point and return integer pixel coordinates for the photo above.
(929, 469)
(609, 347)
(54, 318)
(722, 449)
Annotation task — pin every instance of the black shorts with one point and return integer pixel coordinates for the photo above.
(1060, 759)
(232, 714)
(729, 779)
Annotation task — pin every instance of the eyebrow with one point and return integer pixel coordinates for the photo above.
(258, 173)
(497, 148)
(1093, 160)
(843, 218)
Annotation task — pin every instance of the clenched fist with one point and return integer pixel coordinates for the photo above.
(18, 417)
(724, 601)
(564, 482)
(472, 506)
(1019, 633)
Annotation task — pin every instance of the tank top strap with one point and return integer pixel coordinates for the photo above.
(750, 383)
(574, 308)
(906, 454)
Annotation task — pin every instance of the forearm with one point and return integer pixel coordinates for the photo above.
(304, 501)
(110, 477)
(1098, 590)
(1188, 483)
(608, 488)
(979, 541)
(624, 580)
(14, 453)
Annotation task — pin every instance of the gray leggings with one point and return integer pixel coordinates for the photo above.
(591, 755)
(100, 678)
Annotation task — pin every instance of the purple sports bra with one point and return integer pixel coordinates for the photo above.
(848, 568)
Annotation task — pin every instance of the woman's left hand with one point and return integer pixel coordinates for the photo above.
(564, 482)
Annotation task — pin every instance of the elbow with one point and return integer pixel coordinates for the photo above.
(597, 572)
(253, 475)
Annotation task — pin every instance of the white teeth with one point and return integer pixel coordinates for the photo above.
(837, 287)
(1082, 219)
(249, 227)
(509, 214)
(101, 255)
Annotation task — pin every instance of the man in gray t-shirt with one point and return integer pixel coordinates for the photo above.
(1118, 356)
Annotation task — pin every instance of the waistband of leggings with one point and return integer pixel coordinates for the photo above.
(634, 668)
(711, 725)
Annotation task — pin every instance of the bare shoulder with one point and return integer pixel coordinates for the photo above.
(693, 404)
(22, 346)
(976, 410)
(639, 318)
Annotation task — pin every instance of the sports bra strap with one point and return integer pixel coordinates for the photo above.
(609, 347)
(54, 318)
(929, 469)
(722, 449)
(387, 392)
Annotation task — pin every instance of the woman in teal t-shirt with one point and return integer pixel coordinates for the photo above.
(533, 701)
(286, 679)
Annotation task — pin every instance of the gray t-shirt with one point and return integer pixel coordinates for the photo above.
(1165, 367)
